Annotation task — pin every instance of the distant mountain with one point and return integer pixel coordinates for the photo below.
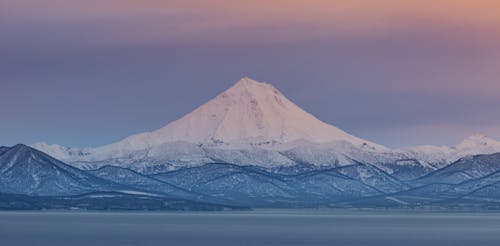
(253, 123)
(142, 182)
(249, 113)
(234, 184)
(24, 170)
(477, 144)
(30, 179)
(253, 186)
(471, 182)
(467, 168)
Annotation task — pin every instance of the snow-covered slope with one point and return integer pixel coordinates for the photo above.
(250, 123)
(248, 113)
(61, 152)
(253, 123)
(443, 155)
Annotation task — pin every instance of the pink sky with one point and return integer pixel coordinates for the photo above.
(420, 64)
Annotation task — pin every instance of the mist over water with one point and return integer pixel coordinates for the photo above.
(283, 227)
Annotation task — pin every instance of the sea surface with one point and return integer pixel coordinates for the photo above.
(261, 227)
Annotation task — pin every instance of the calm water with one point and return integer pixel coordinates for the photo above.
(249, 228)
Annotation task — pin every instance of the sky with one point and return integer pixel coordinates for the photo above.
(396, 72)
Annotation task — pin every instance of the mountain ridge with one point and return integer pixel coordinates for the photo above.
(25, 170)
(471, 182)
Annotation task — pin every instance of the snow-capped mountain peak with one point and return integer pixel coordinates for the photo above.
(443, 155)
(249, 123)
(253, 123)
(477, 144)
(478, 140)
(249, 112)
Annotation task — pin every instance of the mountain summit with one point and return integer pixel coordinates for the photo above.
(24, 170)
(249, 112)
(249, 123)
(253, 123)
